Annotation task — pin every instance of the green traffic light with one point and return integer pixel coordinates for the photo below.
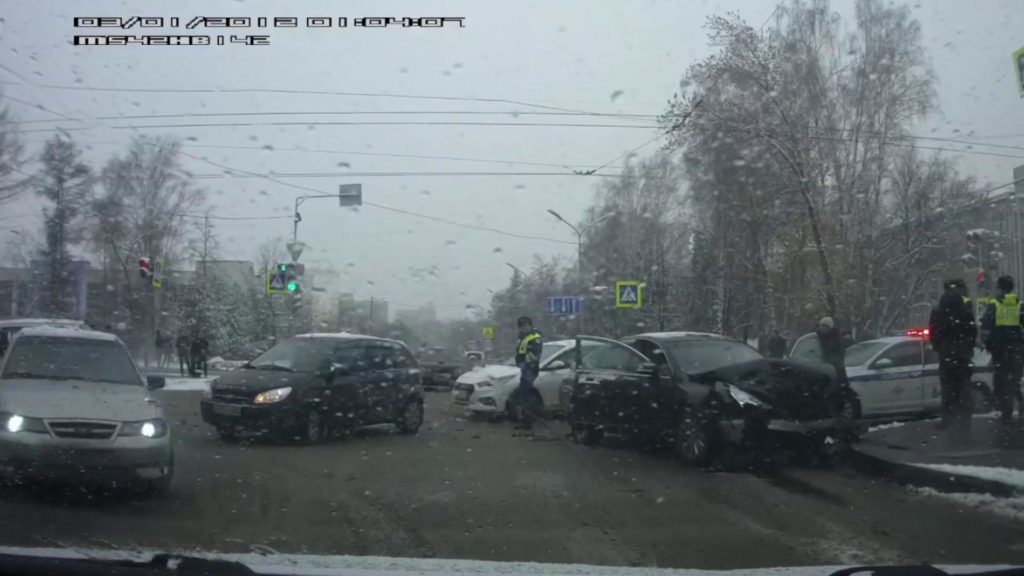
(293, 286)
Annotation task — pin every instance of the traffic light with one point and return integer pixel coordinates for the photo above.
(285, 279)
(145, 268)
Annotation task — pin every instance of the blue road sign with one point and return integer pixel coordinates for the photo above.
(565, 305)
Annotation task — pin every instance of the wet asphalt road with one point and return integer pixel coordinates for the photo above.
(469, 489)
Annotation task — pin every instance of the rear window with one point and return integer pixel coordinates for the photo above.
(57, 358)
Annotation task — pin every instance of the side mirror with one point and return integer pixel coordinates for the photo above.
(648, 368)
(556, 365)
(883, 363)
(155, 382)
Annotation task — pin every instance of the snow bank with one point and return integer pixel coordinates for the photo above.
(188, 384)
(1011, 476)
(1012, 508)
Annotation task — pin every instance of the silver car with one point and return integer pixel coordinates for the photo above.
(73, 406)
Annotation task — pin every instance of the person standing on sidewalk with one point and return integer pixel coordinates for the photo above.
(953, 334)
(528, 352)
(1004, 339)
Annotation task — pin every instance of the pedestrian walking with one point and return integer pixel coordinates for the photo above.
(1003, 337)
(833, 347)
(528, 351)
(776, 346)
(183, 347)
(953, 334)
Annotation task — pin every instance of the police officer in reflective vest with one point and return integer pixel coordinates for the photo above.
(528, 360)
(953, 334)
(1004, 339)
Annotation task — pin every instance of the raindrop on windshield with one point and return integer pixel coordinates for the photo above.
(617, 94)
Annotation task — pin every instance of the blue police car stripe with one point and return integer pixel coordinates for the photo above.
(910, 374)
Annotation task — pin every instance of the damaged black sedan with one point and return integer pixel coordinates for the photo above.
(702, 392)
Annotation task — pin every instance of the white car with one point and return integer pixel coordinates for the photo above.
(486, 389)
(899, 375)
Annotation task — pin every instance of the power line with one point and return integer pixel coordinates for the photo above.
(212, 217)
(388, 174)
(344, 113)
(375, 205)
(298, 92)
(360, 123)
(305, 150)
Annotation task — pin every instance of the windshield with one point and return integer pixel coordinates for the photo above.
(860, 354)
(297, 355)
(696, 356)
(319, 227)
(54, 358)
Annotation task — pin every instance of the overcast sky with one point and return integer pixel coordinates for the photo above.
(621, 57)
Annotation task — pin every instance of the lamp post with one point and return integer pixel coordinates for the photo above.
(579, 246)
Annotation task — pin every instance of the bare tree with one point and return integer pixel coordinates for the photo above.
(11, 159)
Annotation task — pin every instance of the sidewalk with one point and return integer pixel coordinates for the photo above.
(920, 454)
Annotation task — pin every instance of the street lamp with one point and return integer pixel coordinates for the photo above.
(579, 245)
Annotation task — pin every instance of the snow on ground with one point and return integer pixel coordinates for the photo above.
(264, 560)
(886, 426)
(218, 363)
(1011, 476)
(1012, 508)
(186, 384)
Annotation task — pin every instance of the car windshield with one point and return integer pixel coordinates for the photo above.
(319, 227)
(861, 353)
(696, 356)
(297, 355)
(65, 358)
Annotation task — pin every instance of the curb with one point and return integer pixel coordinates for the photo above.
(905, 473)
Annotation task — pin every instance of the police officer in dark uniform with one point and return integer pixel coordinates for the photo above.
(1004, 339)
(953, 333)
(528, 352)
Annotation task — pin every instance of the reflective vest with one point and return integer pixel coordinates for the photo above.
(524, 343)
(1007, 310)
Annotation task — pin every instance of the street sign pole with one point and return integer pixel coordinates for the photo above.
(348, 195)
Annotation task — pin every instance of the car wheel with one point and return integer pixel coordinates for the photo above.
(695, 441)
(981, 398)
(411, 418)
(587, 435)
(314, 428)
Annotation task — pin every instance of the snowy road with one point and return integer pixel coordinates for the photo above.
(468, 489)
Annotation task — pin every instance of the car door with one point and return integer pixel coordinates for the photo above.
(382, 381)
(609, 390)
(346, 394)
(666, 393)
(931, 388)
(895, 382)
(552, 374)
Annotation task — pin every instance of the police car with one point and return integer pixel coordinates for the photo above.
(899, 375)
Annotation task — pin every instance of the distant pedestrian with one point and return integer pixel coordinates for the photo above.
(198, 353)
(776, 345)
(833, 347)
(528, 351)
(1004, 339)
(953, 334)
(183, 347)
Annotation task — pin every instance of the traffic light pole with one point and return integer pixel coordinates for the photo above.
(298, 217)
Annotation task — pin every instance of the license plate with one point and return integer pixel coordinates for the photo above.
(227, 410)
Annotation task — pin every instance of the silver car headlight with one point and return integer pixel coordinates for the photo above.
(271, 396)
(155, 428)
(745, 398)
(14, 423)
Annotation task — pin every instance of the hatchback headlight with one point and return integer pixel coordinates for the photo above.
(744, 398)
(17, 423)
(271, 396)
(155, 428)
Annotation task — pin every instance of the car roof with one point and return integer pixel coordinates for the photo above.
(25, 322)
(67, 332)
(680, 335)
(344, 336)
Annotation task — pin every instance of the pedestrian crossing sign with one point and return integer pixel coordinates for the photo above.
(629, 294)
(277, 283)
